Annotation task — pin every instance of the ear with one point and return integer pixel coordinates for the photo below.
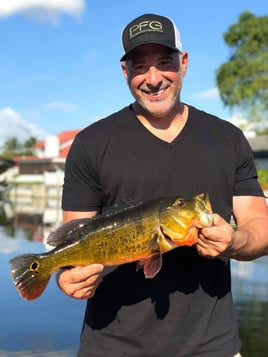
(184, 62)
(125, 71)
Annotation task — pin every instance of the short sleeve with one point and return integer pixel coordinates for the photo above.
(81, 189)
(246, 178)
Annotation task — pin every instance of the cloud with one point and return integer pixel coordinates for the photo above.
(212, 93)
(42, 10)
(12, 124)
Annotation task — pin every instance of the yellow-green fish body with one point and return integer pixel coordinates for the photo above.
(140, 232)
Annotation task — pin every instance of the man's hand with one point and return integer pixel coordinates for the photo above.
(80, 282)
(249, 241)
(216, 240)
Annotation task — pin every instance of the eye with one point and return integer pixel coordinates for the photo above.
(180, 202)
(139, 68)
(164, 64)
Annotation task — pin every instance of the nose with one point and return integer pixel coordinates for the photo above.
(153, 77)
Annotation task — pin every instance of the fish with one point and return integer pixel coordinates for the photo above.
(138, 232)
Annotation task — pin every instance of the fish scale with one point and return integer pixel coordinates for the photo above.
(141, 232)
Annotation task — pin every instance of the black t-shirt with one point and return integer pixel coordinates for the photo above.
(187, 309)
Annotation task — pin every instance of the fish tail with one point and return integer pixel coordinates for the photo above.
(29, 275)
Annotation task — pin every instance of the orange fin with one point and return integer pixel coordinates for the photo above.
(28, 278)
(151, 266)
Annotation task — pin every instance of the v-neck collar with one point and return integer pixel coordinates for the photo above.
(152, 136)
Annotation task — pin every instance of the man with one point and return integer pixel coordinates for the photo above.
(159, 146)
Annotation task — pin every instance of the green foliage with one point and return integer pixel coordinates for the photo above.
(262, 132)
(11, 144)
(12, 147)
(243, 80)
(263, 176)
(30, 142)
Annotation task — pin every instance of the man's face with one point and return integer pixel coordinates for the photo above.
(154, 74)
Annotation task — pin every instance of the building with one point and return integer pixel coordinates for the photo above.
(50, 154)
(42, 174)
(259, 144)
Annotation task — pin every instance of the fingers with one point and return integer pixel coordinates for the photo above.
(216, 240)
(80, 282)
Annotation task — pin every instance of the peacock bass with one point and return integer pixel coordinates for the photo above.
(138, 232)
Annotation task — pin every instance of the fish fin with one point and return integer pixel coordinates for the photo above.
(120, 207)
(155, 239)
(151, 266)
(28, 278)
(154, 243)
(65, 232)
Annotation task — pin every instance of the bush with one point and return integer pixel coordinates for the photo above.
(263, 176)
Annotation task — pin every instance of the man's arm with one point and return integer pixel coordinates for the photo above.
(249, 241)
(70, 215)
(79, 282)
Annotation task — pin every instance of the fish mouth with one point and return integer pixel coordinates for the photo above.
(206, 219)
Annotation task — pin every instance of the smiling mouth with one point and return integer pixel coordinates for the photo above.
(155, 93)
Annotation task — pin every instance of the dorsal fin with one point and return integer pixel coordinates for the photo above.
(120, 207)
(64, 232)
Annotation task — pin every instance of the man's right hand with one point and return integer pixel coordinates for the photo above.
(80, 282)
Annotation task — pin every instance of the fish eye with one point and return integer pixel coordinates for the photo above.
(180, 202)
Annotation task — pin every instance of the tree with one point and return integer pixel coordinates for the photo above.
(243, 80)
(12, 147)
(30, 142)
(12, 144)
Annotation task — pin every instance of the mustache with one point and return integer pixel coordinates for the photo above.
(148, 87)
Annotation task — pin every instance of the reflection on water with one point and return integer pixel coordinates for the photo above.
(250, 290)
(261, 163)
(50, 325)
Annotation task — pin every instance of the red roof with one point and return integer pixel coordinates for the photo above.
(65, 140)
(64, 152)
(63, 137)
(67, 135)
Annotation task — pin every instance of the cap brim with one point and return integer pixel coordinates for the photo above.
(124, 57)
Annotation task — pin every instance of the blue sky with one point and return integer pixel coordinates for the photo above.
(59, 62)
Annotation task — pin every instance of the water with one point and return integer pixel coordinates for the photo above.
(250, 291)
(50, 326)
(261, 163)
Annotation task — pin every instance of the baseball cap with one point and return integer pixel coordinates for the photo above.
(150, 29)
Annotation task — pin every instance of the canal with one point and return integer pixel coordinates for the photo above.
(50, 326)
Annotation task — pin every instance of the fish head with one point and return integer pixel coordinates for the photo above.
(182, 220)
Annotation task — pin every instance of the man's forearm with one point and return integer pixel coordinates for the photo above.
(250, 241)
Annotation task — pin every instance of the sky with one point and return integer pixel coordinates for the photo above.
(60, 60)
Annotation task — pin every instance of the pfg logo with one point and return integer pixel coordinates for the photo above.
(145, 26)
